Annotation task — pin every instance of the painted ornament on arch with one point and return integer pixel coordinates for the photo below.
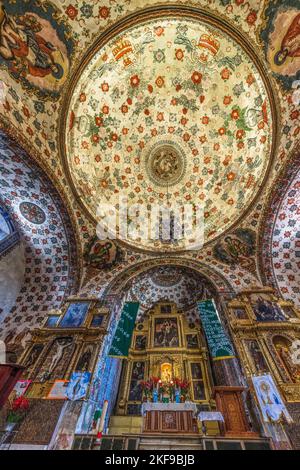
(33, 213)
(34, 47)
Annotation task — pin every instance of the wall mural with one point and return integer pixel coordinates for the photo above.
(237, 248)
(281, 39)
(34, 47)
(102, 254)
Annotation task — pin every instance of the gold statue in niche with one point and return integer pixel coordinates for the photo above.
(166, 372)
(283, 346)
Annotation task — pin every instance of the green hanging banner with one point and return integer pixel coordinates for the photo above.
(219, 344)
(122, 339)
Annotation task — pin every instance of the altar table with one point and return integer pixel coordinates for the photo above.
(169, 417)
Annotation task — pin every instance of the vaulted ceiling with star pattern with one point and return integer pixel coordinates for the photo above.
(157, 103)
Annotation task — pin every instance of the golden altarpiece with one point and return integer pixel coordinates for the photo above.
(70, 339)
(266, 332)
(165, 347)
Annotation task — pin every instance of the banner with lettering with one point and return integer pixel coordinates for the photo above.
(122, 338)
(218, 342)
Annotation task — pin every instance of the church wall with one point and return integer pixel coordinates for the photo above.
(12, 270)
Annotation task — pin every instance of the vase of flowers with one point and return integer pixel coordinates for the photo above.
(17, 411)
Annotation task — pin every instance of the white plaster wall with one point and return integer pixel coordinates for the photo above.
(12, 270)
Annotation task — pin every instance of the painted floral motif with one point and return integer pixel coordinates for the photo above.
(176, 80)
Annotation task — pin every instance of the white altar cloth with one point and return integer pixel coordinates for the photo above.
(186, 406)
(210, 416)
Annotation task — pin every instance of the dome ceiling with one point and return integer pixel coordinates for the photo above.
(171, 110)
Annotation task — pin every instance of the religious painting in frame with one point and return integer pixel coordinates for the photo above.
(196, 370)
(21, 387)
(192, 341)
(52, 321)
(198, 390)
(75, 315)
(166, 334)
(58, 390)
(135, 391)
(138, 370)
(266, 309)
(256, 356)
(140, 342)
(97, 320)
(240, 313)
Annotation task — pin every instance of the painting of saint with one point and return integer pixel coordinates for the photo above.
(52, 320)
(138, 371)
(265, 309)
(283, 348)
(196, 371)
(135, 392)
(101, 254)
(192, 341)
(240, 314)
(75, 315)
(140, 342)
(84, 361)
(33, 355)
(166, 333)
(237, 248)
(281, 37)
(256, 356)
(198, 390)
(34, 48)
(97, 320)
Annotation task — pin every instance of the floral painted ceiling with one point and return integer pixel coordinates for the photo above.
(196, 102)
(170, 111)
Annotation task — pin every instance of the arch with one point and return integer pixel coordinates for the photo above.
(47, 235)
(280, 235)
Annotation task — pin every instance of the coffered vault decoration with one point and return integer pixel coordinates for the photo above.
(171, 110)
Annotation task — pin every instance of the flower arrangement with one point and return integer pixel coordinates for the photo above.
(156, 387)
(17, 410)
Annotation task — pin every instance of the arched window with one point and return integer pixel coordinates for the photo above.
(8, 234)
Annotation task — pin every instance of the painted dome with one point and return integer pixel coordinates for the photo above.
(170, 111)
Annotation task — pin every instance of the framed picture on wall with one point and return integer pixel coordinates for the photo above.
(192, 341)
(52, 321)
(166, 332)
(240, 313)
(58, 390)
(75, 315)
(97, 320)
(140, 342)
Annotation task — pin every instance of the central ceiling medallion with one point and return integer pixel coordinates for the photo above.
(170, 110)
(166, 164)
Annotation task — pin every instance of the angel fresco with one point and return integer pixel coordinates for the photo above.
(281, 37)
(32, 50)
